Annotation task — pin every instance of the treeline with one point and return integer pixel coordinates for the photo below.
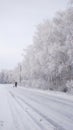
(48, 63)
(6, 76)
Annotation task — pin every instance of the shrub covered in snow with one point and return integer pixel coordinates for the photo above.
(69, 85)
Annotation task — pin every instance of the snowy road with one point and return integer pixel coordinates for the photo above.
(25, 109)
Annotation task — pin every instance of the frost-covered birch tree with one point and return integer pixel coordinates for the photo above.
(49, 60)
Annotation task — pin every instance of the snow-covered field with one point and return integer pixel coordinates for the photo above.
(27, 109)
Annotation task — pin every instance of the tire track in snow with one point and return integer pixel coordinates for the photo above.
(15, 113)
(58, 127)
(29, 114)
(66, 113)
(53, 123)
(69, 116)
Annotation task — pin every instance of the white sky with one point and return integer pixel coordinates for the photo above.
(18, 20)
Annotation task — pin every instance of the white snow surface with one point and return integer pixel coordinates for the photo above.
(27, 109)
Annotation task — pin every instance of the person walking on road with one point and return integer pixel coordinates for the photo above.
(15, 84)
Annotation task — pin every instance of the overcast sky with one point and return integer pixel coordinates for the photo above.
(18, 20)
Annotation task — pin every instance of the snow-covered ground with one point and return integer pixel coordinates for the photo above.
(27, 109)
